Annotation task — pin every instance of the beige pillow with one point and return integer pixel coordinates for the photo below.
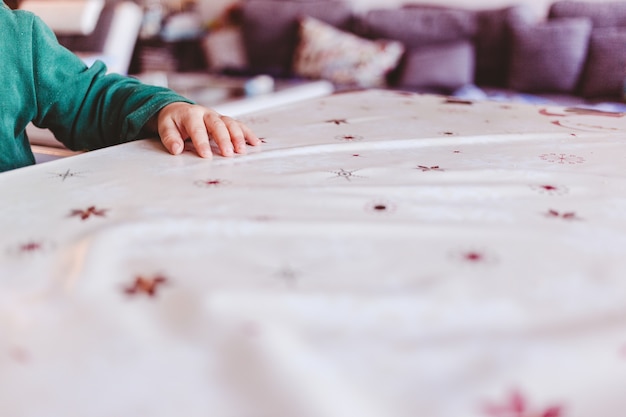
(329, 53)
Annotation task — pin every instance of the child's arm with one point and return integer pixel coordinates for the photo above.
(178, 121)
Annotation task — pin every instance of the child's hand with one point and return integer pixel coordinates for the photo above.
(179, 121)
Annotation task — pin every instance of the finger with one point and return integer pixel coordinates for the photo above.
(199, 136)
(171, 138)
(220, 133)
(237, 136)
(250, 137)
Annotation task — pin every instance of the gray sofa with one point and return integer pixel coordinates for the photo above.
(575, 55)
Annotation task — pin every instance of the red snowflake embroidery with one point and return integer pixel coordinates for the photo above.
(517, 406)
(347, 175)
(90, 211)
(148, 286)
(562, 158)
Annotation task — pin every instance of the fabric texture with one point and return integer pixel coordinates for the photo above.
(382, 254)
(419, 25)
(605, 71)
(548, 57)
(601, 14)
(48, 85)
(270, 30)
(344, 58)
(443, 66)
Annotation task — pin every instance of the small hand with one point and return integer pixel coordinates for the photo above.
(179, 121)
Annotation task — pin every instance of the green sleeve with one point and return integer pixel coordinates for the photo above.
(85, 107)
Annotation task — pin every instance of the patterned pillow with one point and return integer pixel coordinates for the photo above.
(549, 57)
(343, 58)
(605, 71)
(270, 30)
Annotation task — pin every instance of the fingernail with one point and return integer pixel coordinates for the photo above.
(177, 148)
(205, 151)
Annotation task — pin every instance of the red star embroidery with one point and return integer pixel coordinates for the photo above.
(90, 211)
(31, 247)
(349, 138)
(148, 286)
(20, 355)
(551, 189)
(432, 168)
(517, 406)
(473, 256)
(565, 216)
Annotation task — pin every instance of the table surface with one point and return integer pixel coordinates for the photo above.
(381, 254)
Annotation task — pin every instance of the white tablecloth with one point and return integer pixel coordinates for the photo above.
(382, 254)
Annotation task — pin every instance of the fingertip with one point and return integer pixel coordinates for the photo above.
(176, 148)
(204, 150)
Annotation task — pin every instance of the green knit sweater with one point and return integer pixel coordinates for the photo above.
(44, 83)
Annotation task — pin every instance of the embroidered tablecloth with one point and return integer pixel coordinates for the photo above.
(381, 254)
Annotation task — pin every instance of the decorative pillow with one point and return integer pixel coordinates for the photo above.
(270, 30)
(417, 25)
(493, 40)
(548, 57)
(445, 67)
(605, 71)
(342, 57)
(602, 14)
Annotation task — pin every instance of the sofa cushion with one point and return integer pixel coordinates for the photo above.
(342, 57)
(605, 71)
(270, 30)
(602, 14)
(418, 25)
(493, 41)
(440, 67)
(549, 56)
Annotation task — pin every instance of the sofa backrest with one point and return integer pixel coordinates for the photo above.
(270, 30)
